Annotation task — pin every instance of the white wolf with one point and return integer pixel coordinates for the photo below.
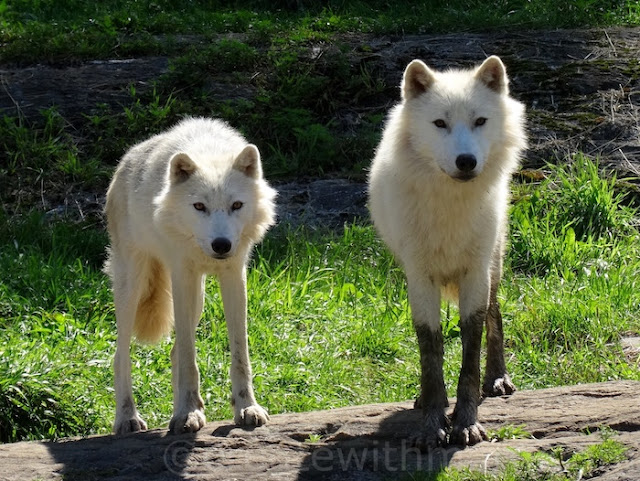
(439, 188)
(185, 203)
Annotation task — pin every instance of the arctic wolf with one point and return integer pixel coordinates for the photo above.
(188, 202)
(439, 187)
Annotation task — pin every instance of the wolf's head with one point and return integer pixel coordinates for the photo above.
(464, 120)
(223, 205)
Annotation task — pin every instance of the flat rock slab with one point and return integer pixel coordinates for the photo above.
(355, 443)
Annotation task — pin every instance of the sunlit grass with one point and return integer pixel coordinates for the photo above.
(329, 320)
(541, 466)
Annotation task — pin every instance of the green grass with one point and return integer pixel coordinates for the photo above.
(509, 431)
(329, 320)
(54, 30)
(542, 466)
(571, 280)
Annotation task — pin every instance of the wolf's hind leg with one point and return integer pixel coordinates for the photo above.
(496, 379)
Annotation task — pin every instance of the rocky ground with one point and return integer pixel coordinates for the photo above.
(359, 443)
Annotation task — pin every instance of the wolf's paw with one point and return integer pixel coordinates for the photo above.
(129, 425)
(434, 431)
(427, 441)
(467, 435)
(254, 415)
(500, 386)
(187, 422)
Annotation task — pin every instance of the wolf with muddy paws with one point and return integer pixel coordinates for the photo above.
(438, 195)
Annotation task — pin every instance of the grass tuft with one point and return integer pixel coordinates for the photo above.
(539, 466)
(509, 431)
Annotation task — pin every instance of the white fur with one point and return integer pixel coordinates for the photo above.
(442, 229)
(162, 247)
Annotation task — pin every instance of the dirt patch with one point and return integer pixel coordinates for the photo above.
(581, 89)
(631, 348)
(363, 443)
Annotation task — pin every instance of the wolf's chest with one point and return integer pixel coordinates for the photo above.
(450, 231)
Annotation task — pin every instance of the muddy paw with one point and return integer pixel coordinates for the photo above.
(434, 432)
(254, 415)
(129, 425)
(187, 422)
(501, 386)
(428, 441)
(467, 435)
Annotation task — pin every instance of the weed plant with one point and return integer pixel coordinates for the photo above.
(329, 320)
(541, 466)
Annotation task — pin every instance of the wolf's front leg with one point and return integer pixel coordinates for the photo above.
(474, 297)
(233, 285)
(424, 297)
(188, 299)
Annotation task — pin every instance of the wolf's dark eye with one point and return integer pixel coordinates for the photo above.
(199, 206)
(441, 124)
(480, 121)
(237, 205)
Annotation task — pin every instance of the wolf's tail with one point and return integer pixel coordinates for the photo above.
(154, 315)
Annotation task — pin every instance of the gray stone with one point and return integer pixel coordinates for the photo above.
(322, 203)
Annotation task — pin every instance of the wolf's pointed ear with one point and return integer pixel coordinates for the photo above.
(181, 167)
(248, 162)
(494, 75)
(417, 79)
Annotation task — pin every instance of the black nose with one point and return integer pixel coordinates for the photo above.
(221, 245)
(466, 162)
